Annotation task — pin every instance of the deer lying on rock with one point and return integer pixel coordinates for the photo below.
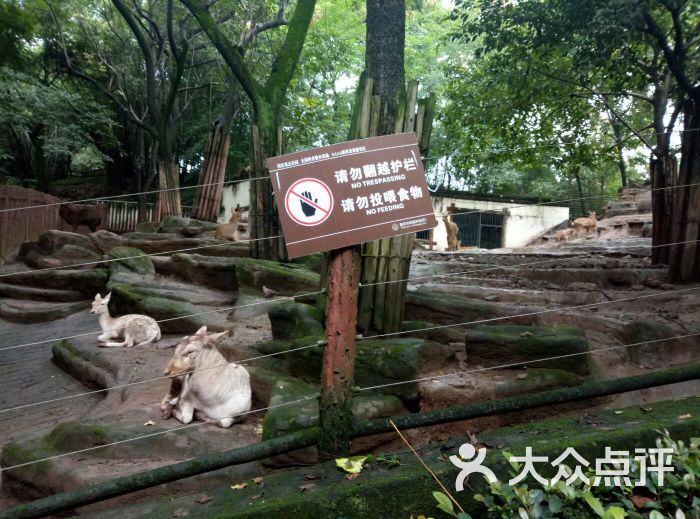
(135, 329)
(452, 242)
(229, 231)
(206, 386)
(586, 224)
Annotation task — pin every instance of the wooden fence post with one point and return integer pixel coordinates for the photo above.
(335, 408)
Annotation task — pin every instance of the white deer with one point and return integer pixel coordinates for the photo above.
(135, 329)
(207, 386)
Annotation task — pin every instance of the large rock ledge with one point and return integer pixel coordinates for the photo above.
(406, 490)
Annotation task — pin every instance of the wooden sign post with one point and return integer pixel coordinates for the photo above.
(335, 198)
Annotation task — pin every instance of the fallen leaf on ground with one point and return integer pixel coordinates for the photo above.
(311, 477)
(203, 499)
(617, 412)
(351, 465)
(257, 481)
(307, 486)
(149, 422)
(352, 476)
(646, 409)
(258, 429)
(181, 512)
(239, 486)
(685, 416)
(258, 496)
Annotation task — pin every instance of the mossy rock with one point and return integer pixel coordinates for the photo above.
(128, 298)
(215, 272)
(656, 354)
(440, 335)
(492, 345)
(312, 262)
(85, 281)
(284, 278)
(130, 261)
(185, 226)
(147, 227)
(286, 419)
(59, 249)
(292, 320)
(534, 380)
(442, 308)
(377, 362)
(88, 372)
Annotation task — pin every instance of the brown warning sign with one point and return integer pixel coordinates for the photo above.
(350, 193)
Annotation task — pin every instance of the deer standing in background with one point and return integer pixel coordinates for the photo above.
(586, 224)
(229, 231)
(452, 242)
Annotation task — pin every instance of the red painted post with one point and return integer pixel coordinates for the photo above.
(336, 419)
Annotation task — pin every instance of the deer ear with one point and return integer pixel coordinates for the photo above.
(216, 336)
(202, 331)
(106, 298)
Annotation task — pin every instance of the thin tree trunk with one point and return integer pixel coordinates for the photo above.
(684, 260)
(663, 177)
(168, 200)
(211, 177)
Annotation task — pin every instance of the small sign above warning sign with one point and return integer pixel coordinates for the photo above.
(350, 193)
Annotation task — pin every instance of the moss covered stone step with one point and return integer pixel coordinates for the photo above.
(407, 489)
(295, 406)
(284, 278)
(442, 308)
(39, 294)
(24, 311)
(85, 281)
(378, 362)
(212, 271)
(493, 345)
(129, 260)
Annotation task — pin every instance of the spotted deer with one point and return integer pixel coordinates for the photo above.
(134, 329)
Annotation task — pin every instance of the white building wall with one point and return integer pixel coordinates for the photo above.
(521, 223)
(234, 194)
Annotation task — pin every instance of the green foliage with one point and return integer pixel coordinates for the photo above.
(680, 491)
(47, 125)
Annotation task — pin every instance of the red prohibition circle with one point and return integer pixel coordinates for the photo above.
(292, 192)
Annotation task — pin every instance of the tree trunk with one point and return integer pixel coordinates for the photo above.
(384, 58)
(211, 177)
(663, 176)
(684, 259)
(386, 261)
(264, 224)
(168, 200)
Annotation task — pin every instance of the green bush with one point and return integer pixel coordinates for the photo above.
(678, 498)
